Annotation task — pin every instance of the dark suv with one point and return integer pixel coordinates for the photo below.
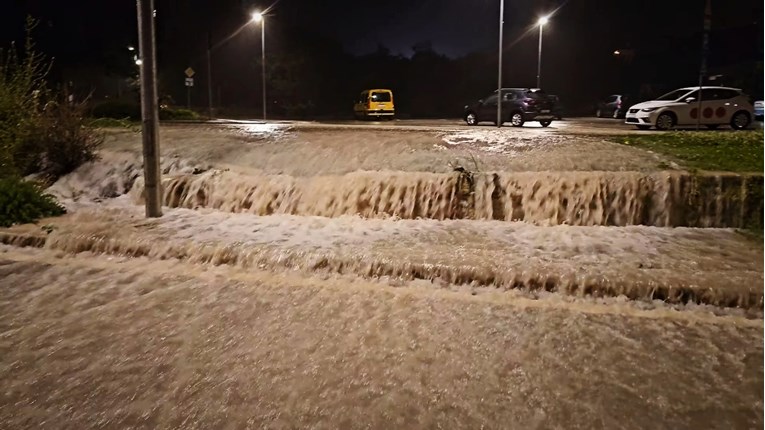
(518, 106)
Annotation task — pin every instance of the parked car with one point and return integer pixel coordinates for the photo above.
(375, 103)
(758, 108)
(613, 106)
(519, 105)
(719, 106)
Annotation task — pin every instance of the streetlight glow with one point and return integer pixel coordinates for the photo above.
(131, 48)
(257, 16)
(542, 21)
(138, 62)
(617, 52)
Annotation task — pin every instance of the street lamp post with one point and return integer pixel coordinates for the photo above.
(259, 17)
(542, 21)
(499, 73)
(209, 76)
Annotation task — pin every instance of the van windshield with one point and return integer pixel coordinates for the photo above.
(381, 97)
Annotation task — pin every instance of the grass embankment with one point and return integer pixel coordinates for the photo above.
(706, 150)
(739, 152)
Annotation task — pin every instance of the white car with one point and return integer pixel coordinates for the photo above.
(719, 106)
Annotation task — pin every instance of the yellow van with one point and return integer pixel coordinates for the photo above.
(377, 103)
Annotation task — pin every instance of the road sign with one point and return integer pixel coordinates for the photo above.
(189, 82)
(189, 72)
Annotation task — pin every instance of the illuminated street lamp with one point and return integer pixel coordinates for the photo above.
(542, 21)
(260, 18)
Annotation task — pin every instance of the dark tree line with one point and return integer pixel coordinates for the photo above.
(311, 75)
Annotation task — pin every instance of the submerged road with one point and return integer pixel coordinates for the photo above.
(580, 126)
(583, 126)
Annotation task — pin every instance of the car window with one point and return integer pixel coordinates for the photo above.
(492, 99)
(382, 96)
(538, 95)
(716, 94)
(674, 95)
(611, 99)
(694, 94)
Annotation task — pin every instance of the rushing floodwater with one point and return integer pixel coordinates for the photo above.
(385, 300)
(92, 341)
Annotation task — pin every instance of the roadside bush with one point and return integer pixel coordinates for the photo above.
(64, 139)
(177, 114)
(40, 133)
(117, 109)
(22, 88)
(23, 202)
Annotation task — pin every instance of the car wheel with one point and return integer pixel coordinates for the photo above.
(471, 118)
(516, 119)
(740, 120)
(545, 123)
(713, 126)
(665, 121)
(643, 127)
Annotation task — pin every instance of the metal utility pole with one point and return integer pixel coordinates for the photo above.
(209, 76)
(704, 52)
(263, 61)
(149, 109)
(499, 74)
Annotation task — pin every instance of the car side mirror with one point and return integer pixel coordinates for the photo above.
(690, 99)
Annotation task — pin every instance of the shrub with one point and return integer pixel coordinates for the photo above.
(63, 139)
(117, 109)
(22, 89)
(177, 114)
(40, 133)
(23, 202)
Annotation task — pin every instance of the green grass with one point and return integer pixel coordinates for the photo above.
(739, 151)
(113, 123)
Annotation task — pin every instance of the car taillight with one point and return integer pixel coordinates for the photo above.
(529, 101)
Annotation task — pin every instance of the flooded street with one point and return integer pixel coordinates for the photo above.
(101, 342)
(298, 149)
(331, 276)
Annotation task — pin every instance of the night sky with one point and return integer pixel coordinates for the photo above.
(578, 41)
(455, 27)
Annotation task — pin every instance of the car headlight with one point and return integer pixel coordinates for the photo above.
(651, 109)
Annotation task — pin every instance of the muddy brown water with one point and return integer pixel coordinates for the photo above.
(665, 199)
(386, 300)
(111, 342)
